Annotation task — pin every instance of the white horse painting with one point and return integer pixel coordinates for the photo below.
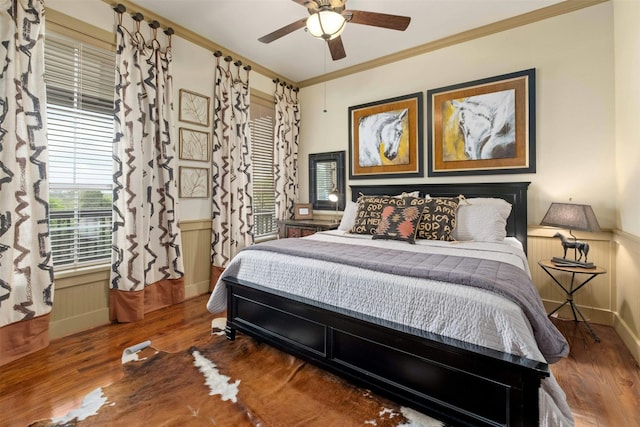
(376, 129)
(487, 123)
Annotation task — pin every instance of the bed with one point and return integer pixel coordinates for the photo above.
(462, 354)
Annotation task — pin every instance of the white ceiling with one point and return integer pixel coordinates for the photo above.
(237, 24)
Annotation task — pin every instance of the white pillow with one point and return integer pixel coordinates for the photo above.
(349, 216)
(482, 220)
(411, 194)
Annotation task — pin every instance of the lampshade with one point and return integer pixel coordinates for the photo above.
(571, 216)
(334, 195)
(326, 24)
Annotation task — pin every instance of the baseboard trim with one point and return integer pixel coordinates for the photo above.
(626, 335)
(80, 323)
(196, 289)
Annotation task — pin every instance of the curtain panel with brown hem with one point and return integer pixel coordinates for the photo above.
(147, 265)
(26, 265)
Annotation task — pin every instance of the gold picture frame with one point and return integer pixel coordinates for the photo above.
(302, 211)
(193, 108)
(483, 126)
(400, 121)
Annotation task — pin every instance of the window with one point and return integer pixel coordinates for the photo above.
(80, 80)
(264, 206)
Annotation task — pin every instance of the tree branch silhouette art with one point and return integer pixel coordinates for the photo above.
(194, 145)
(194, 182)
(194, 108)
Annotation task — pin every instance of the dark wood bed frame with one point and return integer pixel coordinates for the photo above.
(454, 381)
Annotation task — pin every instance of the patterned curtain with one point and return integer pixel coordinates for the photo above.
(147, 267)
(26, 266)
(285, 158)
(232, 207)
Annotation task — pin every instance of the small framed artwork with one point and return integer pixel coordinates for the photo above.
(385, 138)
(194, 145)
(302, 211)
(193, 183)
(483, 127)
(193, 108)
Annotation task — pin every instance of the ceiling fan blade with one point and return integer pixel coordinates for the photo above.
(392, 22)
(336, 48)
(281, 32)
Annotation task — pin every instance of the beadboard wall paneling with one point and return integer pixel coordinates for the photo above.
(196, 246)
(627, 297)
(80, 301)
(81, 298)
(597, 299)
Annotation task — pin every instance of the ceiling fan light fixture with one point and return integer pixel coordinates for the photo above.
(326, 24)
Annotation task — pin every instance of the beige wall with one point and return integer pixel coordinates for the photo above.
(627, 139)
(573, 58)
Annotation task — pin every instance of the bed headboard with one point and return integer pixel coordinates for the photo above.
(513, 192)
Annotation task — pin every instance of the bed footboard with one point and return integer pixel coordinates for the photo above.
(457, 382)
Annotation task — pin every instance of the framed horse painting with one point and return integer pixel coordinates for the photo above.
(385, 138)
(483, 127)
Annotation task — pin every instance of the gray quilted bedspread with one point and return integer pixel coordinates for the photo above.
(504, 279)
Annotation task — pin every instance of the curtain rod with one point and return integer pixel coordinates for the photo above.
(138, 17)
(282, 83)
(228, 58)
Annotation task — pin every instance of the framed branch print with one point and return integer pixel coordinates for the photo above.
(483, 127)
(194, 145)
(385, 138)
(194, 182)
(193, 108)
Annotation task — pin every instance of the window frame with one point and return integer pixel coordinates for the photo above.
(263, 100)
(86, 239)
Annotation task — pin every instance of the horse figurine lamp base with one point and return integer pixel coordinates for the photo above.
(580, 249)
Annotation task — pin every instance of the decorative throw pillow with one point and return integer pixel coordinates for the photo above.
(482, 220)
(370, 211)
(438, 218)
(398, 223)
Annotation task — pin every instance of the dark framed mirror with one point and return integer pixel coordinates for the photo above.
(326, 174)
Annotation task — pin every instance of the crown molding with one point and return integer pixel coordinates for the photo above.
(194, 38)
(493, 28)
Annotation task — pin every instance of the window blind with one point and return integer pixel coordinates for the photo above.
(264, 207)
(325, 179)
(80, 95)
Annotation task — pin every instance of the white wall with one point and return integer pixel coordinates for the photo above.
(193, 69)
(627, 132)
(627, 75)
(574, 61)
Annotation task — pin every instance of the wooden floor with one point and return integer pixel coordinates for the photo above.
(601, 380)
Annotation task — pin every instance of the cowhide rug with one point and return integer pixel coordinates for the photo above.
(232, 383)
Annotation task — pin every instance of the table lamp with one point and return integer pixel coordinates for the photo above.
(572, 217)
(334, 196)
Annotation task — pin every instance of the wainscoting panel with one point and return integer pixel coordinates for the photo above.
(80, 302)
(597, 299)
(81, 297)
(196, 246)
(627, 298)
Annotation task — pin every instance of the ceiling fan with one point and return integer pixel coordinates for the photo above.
(327, 19)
